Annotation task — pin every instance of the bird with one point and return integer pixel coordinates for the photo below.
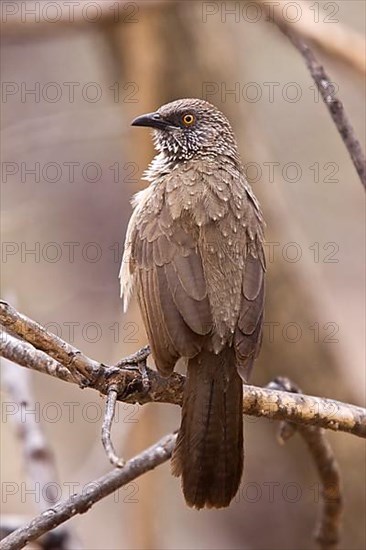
(194, 258)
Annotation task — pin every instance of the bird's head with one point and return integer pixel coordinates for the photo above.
(189, 128)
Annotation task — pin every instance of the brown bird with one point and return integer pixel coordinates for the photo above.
(194, 254)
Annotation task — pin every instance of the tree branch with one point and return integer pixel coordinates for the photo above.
(83, 368)
(324, 29)
(332, 102)
(110, 409)
(131, 387)
(328, 529)
(59, 539)
(327, 533)
(100, 488)
(132, 381)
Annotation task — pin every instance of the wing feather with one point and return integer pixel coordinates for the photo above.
(171, 288)
(196, 313)
(248, 334)
(161, 344)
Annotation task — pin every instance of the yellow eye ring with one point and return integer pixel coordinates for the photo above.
(188, 120)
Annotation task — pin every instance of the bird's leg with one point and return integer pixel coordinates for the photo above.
(136, 362)
(133, 361)
(144, 376)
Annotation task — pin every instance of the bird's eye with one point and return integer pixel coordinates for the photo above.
(188, 120)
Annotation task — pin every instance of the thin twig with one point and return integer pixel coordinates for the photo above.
(332, 102)
(131, 385)
(328, 530)
(102, 487)
(138, 358)
(110, 409)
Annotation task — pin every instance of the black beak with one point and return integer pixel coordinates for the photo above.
(151, 120)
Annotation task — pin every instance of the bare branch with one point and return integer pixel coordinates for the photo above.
(305, 409)
(102, 487)
(110, 410)
(59, 539)
(132, 387)
(328, 532)
(10, 523)
(332, 102)
(26, 355)
(139, 358)
(329, 525)
(324, 29)
(159, 453)
(58, 349)
(132, 381)
(338, 40)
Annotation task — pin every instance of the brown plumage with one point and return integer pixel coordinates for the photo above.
(194, 254)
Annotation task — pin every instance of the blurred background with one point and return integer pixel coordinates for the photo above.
(74, 75)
